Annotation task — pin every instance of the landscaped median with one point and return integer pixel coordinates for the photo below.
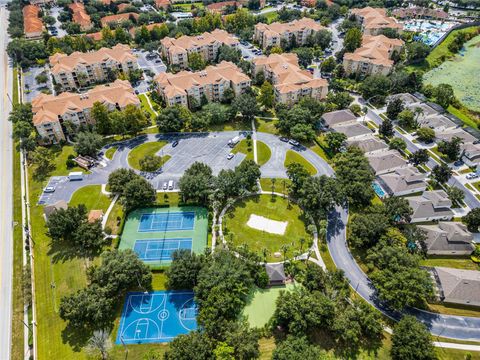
(147, 149)
(294, 157)
(246, 147)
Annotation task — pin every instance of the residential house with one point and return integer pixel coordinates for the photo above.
(176, 51)
(448, 135)
(456, 286)
(114, 20)
(212, 83)
(80, 16)
(82, 69)
(337, 117)
(384, 162)
(403, 181)
(369, 144)
(374, 20)
(352, 130)
(51, 112)
(431, 206)
(375, 56)
(436, 122)
(290, 82)
(270, 35)
(471, 154)
(32, 24)
(448, 238)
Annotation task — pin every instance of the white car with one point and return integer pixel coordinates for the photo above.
(230, 156)
(165, 185)
(471, 176)
(49, 189)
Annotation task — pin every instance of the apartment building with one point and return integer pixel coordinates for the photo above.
(269, 35)
(82, 69)
(374, 20)
(373, 57)
(118, 19)
(290, 82)
(212, 82)
(32, 24)
(50, 112)
(80, 16)
(176, 51)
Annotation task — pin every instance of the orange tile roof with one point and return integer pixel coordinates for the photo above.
(97, 36)
(219, 6)
(376, 18)
(183, 43)
(375, 50)
(62, 62)
(79, 15)
(180, 83)
(278, 28)
(123, 6)
(47, 108)
(118, 18)
(162, 4)
(289, 76)
(31, 22)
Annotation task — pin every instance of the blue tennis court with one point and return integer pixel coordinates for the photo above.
(156, 317)
(169, 221)
(160, 249)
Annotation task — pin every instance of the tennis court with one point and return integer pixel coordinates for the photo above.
(156, 317)
(169, 221)
(155, 233)
(154, 249)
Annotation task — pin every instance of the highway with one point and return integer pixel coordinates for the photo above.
(6, 180)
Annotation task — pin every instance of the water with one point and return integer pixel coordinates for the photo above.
(429, 31)
(378, 190)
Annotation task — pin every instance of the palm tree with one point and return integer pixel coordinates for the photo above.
(285, 248)
(265, 253)
(99, 343)
(273, 185)
(418, 111)
(322, 230)
(302, 242)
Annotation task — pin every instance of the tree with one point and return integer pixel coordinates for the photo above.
(184, 269)
(318, 196)
(303, 132)
(417, 51)
(227, 53)
(196, 62)
(419, 157)
(247, 173)
(394, 108)
(406, 119)
(353, 39)
(397, 144)
(328, 65)
(150, 163)
(99, 114)
(99, 343)
(366, 229)
(472, 219)
(323, 38)
(88, 143)
(397, 210)
(196, 183)
(335, 141)
(297, 174)
(43, 159)
(411, 340)
(444, 95)
(456, 195)
(41, 78)
(441, 173)
(62, 223)
(134, 118)
(426, 135)
(173, 118)
(305, 56)
(194, 345)
(297, 348)
(375, 87)
(89, 236)
(138, 193)
(267, 96)
(246, 104)
(118, 179)
(386, 128)
(451, 148)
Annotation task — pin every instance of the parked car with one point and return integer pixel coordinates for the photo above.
(230, 156)
(175, 143)
(137, 92)
(471, 176)
(284, 139)
(165, 185)
(49, 189)
(294, 142)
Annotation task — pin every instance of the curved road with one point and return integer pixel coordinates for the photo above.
(212, 148)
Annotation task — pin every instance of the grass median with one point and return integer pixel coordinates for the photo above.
(139, 152)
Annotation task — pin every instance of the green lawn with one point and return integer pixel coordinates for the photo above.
(159, 280)
(273, 208)
(451, 262)
(146, 106)
(267, 126)
(271, 16)
(230, 126)
(115, 219)
(245, 147)
(294, 157)
(61, 156)
(263, 153)
(464, 115)
(188, 6)
(139, 152)
(281, 185)
(110, 152)
(476, 185)
(92, 197)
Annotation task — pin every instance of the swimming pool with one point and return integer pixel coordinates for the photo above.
(378, 190)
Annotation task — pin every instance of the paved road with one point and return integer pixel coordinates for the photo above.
(6, 180)
(209, 148)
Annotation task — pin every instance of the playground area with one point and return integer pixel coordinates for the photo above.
(458, 73)
(155, 233)
(156, 317)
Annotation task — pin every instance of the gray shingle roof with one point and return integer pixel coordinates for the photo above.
(458, 286)
(407, 179)
(368, 144)
(275, 272)
(448, 238)
(352, 129)
(338, 117)
(450, 134)
(386, 161)
(431, 204)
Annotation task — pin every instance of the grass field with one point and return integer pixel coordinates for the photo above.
(188, 6)
(139, 152)
(245, 147)
(456, 309)
(146, 106)
(263, 153)
(265, 125)
(92, 197)
(274, 208)
(281, 185)
(110, 152)
(294, 157)
(451, 262)
(115, 219)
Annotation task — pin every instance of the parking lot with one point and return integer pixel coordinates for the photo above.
(151, 64)
(248, 50)
(55, 11)
(48, 197)
(31, 88)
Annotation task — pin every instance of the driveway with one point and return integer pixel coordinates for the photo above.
(148, 63)
(31, 88)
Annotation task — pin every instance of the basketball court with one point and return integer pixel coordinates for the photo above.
(156, 317)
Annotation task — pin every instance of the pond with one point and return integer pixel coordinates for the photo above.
(461, 72)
